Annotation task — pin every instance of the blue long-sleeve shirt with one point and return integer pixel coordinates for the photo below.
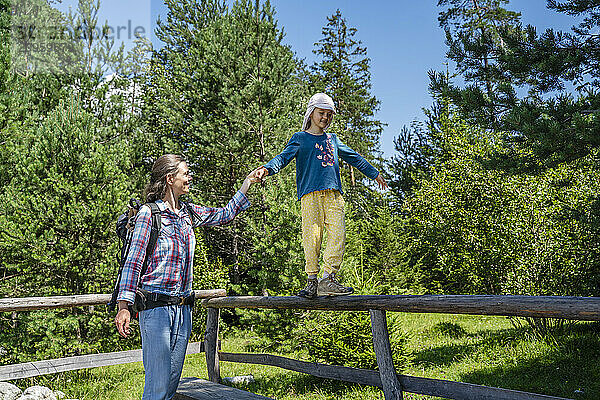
(317, 165)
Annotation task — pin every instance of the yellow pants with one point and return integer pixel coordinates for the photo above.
(321, 210)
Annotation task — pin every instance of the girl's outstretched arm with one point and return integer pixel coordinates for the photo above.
(282, 159)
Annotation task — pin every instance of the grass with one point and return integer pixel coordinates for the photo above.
(475, 349)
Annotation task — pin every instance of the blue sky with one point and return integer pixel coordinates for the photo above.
(403, 41)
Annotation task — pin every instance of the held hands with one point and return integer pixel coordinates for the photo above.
(261, 173)
(257, 175)
(122, 319)
(254, 177)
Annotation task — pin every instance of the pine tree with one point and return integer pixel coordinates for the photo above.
(5, 75)
(5, 20)
(499, 59)
(69, 160)
(68, 181)
(473, 35)
(419, 149)
(223, 93)
(344, 73)
(555, 122)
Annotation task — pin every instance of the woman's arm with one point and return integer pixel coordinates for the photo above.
(212, 216)
(251, 179)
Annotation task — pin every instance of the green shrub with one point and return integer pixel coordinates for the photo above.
(345, 338)
(448, 329)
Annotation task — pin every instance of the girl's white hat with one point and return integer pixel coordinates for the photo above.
(319, 100)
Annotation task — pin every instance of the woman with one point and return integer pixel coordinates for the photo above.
(166, 323)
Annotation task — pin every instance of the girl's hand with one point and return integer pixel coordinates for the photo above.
(381, 182)
(254, 177)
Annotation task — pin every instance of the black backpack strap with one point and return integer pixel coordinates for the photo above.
(155, 226)
(194, 217)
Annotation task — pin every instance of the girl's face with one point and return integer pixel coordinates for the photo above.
(180, 182)
(321, 118)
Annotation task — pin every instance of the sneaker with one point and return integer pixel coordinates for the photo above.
(331, 287)
(310, 291)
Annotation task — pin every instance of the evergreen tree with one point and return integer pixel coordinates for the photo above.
(473, 34)
(556, 123)
(5, 20)
(68, 180)
(5, 78)
(479, 221)
(559, 124)
(480, 230)
(344, 73)
(69, 177)
(222, 92)
(70, 158)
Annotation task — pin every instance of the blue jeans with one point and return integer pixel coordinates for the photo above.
(165, 333)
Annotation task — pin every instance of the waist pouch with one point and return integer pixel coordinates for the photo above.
(145, 300)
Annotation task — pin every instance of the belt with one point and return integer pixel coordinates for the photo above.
(150, 300)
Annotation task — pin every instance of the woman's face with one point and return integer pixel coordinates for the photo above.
(321, 118)
(180, 182)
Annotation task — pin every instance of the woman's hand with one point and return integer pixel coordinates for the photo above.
(122, 319)
(381, 182)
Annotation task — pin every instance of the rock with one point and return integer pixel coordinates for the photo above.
(38, 393)
(9, 391)
(238, 380)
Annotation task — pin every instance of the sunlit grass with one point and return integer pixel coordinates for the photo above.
(481, 350)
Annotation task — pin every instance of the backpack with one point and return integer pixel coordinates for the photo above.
(125, 225)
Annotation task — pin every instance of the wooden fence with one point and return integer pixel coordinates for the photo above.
(386, 378)
(37, 368)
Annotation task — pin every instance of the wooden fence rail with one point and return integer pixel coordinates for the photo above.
(44, 367)
(576, 308)
(37, 368)
(411, 384)
(392, 384)
(42, 303)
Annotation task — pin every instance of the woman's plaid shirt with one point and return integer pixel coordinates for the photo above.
(170, 268)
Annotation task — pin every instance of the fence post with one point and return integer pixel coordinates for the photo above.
(211, 338)
(392, 390)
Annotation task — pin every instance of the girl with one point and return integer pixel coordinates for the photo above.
(319, 189)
